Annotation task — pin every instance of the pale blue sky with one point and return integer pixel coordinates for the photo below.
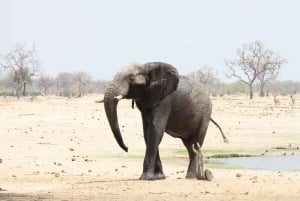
(100, 36)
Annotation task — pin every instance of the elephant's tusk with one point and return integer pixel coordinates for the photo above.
(119, 97)
(99, 101)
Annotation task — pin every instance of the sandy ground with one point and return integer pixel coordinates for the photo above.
(55, 148)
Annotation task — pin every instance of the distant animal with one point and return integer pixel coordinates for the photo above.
(293, 101)
(168, 103)
(276, 101)
(266, 151)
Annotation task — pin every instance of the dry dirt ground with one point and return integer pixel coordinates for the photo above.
(55, 148)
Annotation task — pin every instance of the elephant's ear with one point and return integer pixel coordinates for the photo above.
(163, 79)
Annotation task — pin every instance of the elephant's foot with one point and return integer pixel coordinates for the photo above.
(151, 176)
(208, 175)
(190, 175)
(160, 176)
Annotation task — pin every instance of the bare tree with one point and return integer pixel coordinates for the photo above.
(45, 82)
(252, 60)
(100, 85)
(22, 64)
(205, 75)
(208, 77)
(64, 81)
(7, 82)
(271, 70)
(82, 79)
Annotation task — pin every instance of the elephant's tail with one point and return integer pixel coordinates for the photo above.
(223, 135)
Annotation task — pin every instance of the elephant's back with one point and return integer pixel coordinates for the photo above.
(192, 91)
(190, 103)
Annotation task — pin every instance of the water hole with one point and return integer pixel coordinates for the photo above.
(263, 162)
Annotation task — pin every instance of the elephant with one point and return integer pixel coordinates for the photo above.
(168, 103)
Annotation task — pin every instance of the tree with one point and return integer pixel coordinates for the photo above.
(252, 61)
(22, 64)
(26, 78)
(100, 85)
(82, 79)
(7, 84)
(271, 72)
(45, 82)
(204, 75)
(64, 81)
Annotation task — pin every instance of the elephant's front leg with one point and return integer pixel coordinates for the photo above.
(150, 173)
(152, 164)
(159, 174)
(153, 132)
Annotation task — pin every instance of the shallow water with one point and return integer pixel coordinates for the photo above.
(264, 162)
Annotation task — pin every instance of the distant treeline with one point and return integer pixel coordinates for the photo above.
(283, 88)
(68, 84)
(78, 84)
(255, 67)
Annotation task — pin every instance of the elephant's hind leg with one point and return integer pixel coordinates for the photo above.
(199, 165)
(193, 145)
(199, 162)
(200, 172)
(188, 143)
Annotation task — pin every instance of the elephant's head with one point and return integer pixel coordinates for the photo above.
(151, 82)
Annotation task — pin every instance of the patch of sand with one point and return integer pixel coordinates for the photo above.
(54, 148)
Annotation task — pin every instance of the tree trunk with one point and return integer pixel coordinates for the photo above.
(262, 94)
(251, 92)
(57, 90)
(18, 90)
(80, 91)
(24, 89)
(18, 94)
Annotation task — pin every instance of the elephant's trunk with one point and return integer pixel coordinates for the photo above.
(110, 105)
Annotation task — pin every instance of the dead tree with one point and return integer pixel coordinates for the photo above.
(22, 64)
(64, 81)
(205, 75)
(45, 82)
(82, 79)
(271, 67)
(253, 60)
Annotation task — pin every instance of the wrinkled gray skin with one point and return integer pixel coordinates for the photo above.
(168, 103)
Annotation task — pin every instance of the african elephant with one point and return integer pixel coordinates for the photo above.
(168, 103)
